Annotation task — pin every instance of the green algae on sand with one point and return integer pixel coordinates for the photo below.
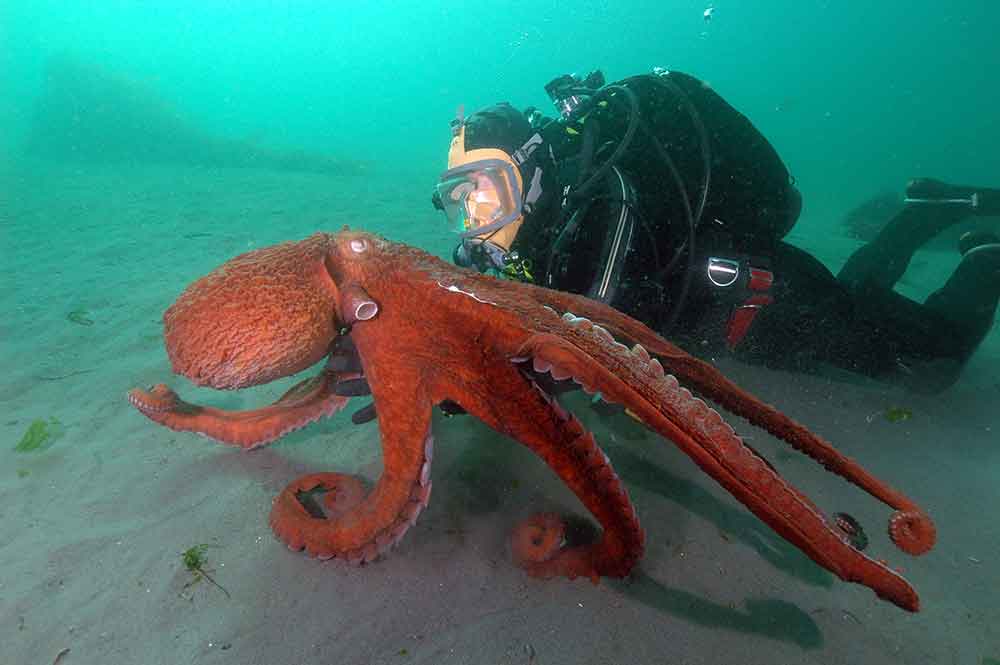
(80, 317)
(38, 435)
(898, 414)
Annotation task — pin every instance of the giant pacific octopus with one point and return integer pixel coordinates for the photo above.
(426, 333)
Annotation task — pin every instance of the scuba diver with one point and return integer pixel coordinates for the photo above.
(655, 196)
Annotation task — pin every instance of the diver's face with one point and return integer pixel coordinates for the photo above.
(480, 200)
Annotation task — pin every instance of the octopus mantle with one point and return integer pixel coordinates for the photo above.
(426, 332)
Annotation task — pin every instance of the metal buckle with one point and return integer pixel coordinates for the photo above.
(723, 272)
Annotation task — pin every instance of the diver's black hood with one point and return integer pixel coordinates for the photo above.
(499, 126)
(503, 126)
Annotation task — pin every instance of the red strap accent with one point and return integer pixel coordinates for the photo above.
(743, 316)
(760, 280)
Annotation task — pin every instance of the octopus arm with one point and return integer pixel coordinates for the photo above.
(514, 406)
(306, 402)
(910, 528)
(639, 383)
(331, 515)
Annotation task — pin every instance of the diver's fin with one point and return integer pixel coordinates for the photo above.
(981, 201)
(970, 240)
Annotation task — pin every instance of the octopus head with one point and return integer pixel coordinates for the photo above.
(271, 312)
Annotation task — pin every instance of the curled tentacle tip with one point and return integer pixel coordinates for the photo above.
(157, 398)
(912, 531)
(537, 539)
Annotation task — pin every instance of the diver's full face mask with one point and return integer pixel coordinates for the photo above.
(481, 197)
(480, 192)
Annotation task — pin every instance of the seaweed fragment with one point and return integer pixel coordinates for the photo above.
(39, 433)
(898, 414)
(195, 562)
(80, 317)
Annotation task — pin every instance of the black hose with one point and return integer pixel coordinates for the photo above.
(573, 209)
(643, 222)
(570, 225)
(692, 227)
(622, 146)
(692, 220)
(693, 217)
(706, 151)
(590, 131)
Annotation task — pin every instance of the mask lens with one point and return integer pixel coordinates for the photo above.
(480, 197)
(482, 204)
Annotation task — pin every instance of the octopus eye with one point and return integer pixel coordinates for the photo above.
(359, 245)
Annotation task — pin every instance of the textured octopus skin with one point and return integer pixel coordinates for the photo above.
(426, 332)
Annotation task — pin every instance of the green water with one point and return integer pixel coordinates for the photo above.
(857, 97)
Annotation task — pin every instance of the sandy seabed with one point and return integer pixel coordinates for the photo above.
(92, 526)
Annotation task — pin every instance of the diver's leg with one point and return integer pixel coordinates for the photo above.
(813, 321)
(882, 334)
(878, 333)
(881, 262)
(931, 207)
(969, 297)
(972, 239)
(936, 339)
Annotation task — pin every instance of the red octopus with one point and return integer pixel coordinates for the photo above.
(427, 332)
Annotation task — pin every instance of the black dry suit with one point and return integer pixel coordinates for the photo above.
(666, 203)
(669, 205)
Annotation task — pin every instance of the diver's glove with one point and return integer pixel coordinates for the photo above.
(365, 414)
(344, 359)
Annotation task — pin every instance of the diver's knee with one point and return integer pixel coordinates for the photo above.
(927, 377)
